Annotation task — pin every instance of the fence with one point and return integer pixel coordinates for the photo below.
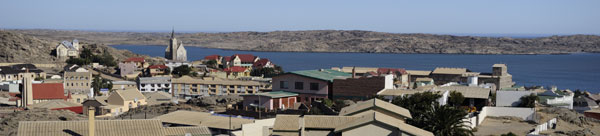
(550, 124)
(474, 120)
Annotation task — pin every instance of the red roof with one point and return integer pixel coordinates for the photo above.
(391, 70)
(245, 57)
(48, 91)
(76, 109)
(135, 59)
(235, 69)
(158, 67)
(227, 58)
(261, 62)
(212, 57)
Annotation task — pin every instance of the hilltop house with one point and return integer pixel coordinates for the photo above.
(311, 85)
(67, 49)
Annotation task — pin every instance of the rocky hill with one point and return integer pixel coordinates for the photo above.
(342, 41)
(19, 48)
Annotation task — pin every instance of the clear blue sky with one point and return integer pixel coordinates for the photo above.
(416, 16)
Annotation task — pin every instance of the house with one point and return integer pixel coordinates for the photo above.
(16, 72)
(263, 63)
(78, 82)
(217, 123)
(360, 88)
(66, 49)
(414, 74)
(311, 85)
(237, 72)
(139, 62)
(557, 98)
(128, 70)
(443, 75)
(42, 92)
(373, 117)
(194, 87)
(175, 51)
(158, 70)
(583, 103)
(217, 58)
(157, 98)
(121, 101)
(243, 60)
(152, 84)
(270, 100)
(476, 97)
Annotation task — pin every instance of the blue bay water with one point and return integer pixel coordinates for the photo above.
(572, 71)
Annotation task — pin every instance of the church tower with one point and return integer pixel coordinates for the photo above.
(175, 51)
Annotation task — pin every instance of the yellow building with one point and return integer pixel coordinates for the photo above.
(121, 101)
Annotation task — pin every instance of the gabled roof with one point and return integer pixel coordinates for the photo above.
(322, 74)
(48, 91)
(194, 118)
(212, 57)
(384, 119)
(326, 122)
(227, 58)
(158, 67)
(469, 91)
(453, 71)
(418, 72)
(135, 59)
(372, 104)
(234, 69)
(146, 127)
(245, 57)
(261, 62)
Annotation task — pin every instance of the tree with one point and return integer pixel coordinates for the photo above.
(212, 63)
(429, 115)
(266, 72)
(100, 83)
(182, 70)
(509, 134)
(456, 98)
(528, 101)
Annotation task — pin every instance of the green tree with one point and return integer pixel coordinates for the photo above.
(182, 70)
(509, 134)
(456, 98)
(528, 101)
(99, 83)
(211, 63)
(429, 115)
(86, 54)
(266, 72)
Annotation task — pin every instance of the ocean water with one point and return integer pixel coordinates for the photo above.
(572, 71)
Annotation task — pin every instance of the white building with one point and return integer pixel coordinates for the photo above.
(153, 84)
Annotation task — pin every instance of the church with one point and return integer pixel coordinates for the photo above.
(175, 51)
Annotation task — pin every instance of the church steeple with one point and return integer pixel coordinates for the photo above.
(173, 33)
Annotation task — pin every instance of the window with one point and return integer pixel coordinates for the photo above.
(78, 100)
(314, 86)
(299, 85)
(166, 85)
(194, 90)
(283, 84)
(143, 90)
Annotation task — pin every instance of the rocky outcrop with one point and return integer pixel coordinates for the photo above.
(343, 41)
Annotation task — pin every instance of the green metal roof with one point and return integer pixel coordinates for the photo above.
(323, 74)
(277, 94)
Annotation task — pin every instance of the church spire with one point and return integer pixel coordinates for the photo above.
(173, 33)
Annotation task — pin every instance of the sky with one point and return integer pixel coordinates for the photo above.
(543, 17)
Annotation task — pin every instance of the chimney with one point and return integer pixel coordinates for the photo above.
(354, 72)
(91, 121)
(27, 96)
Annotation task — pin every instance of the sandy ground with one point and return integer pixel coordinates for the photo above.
(496, 126)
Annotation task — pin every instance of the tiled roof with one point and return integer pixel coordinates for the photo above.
(375, 103)
(193, 118)
(227, 58)
(212, 57)
(287, 123)
(103, 128)
(323, 74)
(181, 131)
(135, 59)
(458, 71)
(245, 57)
(234, 69)
(158, 67)
(261, 62)
(384, 119)
(48, 91)
(391, 70)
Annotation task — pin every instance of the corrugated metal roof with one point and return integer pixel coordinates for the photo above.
(130, 94)
(323, 74)
(469, 91)
(181, 131)
(52, 104)
(287, 123)
(193, 118)
(385, 119)
(418, 72)
(458, 71)
(326, 122)
(103, 128)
